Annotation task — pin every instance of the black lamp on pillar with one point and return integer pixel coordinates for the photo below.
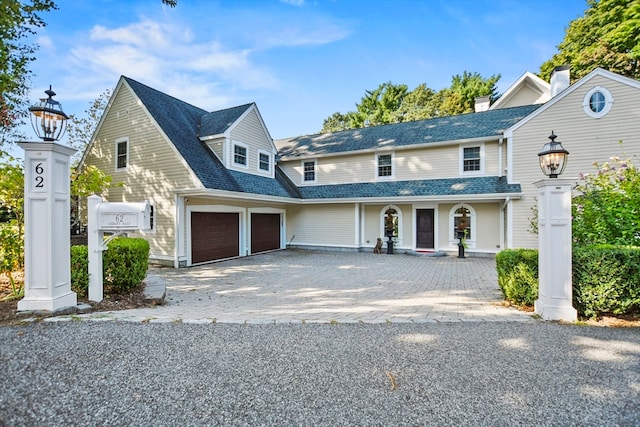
(553, 157)
(48, 120)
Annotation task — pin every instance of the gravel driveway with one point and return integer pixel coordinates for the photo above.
(441, 374)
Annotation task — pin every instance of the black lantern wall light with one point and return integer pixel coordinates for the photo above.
(48, 120)
(553, 157)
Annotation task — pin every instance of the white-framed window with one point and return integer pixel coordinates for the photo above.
(472, 159)
(391, 222)
(462, 218)
(597, 102)
(264, 161)
(384, 166)
(122, 153)
(240, 154)
(309, 174)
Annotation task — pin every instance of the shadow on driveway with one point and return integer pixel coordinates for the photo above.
(311, 286)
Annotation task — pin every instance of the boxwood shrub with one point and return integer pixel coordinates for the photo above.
(124, 265)
(606, 279)
(518, 275)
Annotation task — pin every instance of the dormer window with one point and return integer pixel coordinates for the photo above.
(264, 161)
(239, 154)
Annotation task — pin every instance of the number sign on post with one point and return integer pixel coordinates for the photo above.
(46, 235)
(38, 166)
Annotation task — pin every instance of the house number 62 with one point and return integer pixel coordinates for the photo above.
(39, 176)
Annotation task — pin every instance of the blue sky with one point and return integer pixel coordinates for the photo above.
(299, 60)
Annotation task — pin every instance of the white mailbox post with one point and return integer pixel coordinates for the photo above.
(110, 217)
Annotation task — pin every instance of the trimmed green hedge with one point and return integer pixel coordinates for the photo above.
(124, 265)
(606, 279)
(518, 275)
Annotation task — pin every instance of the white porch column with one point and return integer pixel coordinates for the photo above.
(554, 246)
(47, 238)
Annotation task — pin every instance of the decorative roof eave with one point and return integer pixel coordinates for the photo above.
(392, 148)
(493, 197)
(233, 195)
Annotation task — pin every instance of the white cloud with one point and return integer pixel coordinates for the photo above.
(163, 56)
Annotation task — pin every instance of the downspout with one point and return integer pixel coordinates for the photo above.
(509, 167)
(503, 243)
(357, 224)
(500, 169)
(177, 234)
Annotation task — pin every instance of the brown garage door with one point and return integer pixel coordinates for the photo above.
(265, 232)
(214, 235)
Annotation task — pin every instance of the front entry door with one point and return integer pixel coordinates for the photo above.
(425, 229)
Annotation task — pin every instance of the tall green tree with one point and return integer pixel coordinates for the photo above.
(461, 96)
(606, 36)
(18, 21)
(377, 106)
(390, 103)
(337, 122)
(419, 104)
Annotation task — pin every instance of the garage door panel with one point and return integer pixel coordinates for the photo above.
(265, 232)
(214, 235)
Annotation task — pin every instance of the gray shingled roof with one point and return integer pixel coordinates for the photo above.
(180, 121)
(427, 187)
(218, 122)
(183, 123)
(452, 128)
